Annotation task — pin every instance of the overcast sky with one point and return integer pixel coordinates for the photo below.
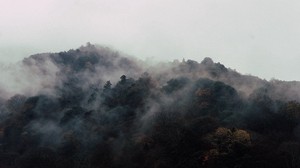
(258, 37)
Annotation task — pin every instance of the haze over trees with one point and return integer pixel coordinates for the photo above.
(94, 107)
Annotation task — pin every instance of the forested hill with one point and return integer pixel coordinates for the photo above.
(95, 107)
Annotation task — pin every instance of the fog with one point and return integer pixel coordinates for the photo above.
(252, 36)
(94, 106)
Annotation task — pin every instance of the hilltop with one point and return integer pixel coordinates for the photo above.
(96, 107)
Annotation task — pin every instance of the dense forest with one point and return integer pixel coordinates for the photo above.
(94, 107)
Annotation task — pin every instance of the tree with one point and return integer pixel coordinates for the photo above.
(107, 85)
(15, 103)
(292, 110)
(291, 154)
(123, 79)
(228, 147)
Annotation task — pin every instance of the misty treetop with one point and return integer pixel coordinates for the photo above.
(95, 107)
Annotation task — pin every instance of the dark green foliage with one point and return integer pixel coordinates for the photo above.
(190, 115)
(175, 85)
(38, 158)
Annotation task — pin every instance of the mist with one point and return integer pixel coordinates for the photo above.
(99, 107)
(254, 37)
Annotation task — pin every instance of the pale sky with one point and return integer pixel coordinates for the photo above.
(258, 37)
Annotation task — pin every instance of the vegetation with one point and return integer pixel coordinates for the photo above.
(186, 114)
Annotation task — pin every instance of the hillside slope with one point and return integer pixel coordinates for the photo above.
(94, 107)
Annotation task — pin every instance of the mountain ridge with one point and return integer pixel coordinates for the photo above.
(91, 59)
(94, 107)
